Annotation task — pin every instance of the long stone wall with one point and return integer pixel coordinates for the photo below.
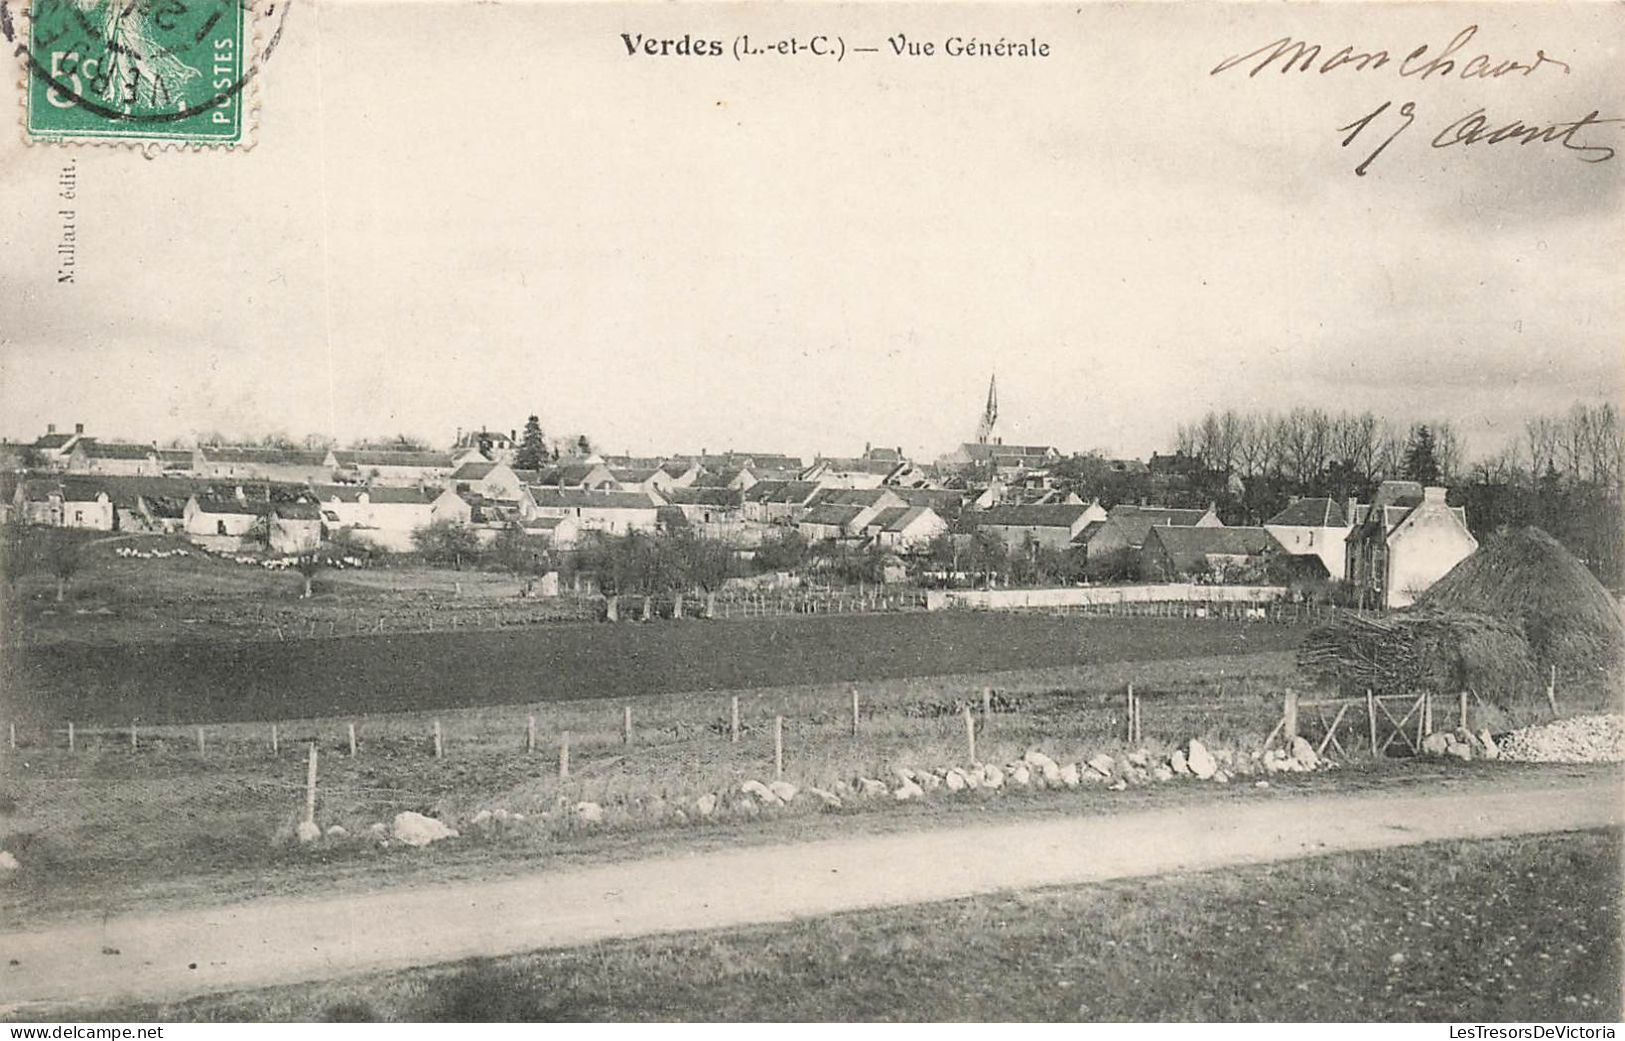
(1081, 596)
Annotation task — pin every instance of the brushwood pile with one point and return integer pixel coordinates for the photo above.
(1497, 623)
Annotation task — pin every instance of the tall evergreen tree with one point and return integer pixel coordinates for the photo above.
(1421, 462)
(532, 454)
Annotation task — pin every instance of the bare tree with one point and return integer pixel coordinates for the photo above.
(309, 565)
(62, 557)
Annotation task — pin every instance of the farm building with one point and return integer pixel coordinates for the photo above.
(1115, 540)
(739, 478)
(1172, 554)
(65, 504)
(1005, 459)
(492, 480)
(1408, 538)
(641, 479)
(843, 512)
(90, 456)
(1052, 526)
(777, 502)
(177, 461)
(708, 505)
(905, 527)
(54, 448)
(556, 532)
(1317, 527)
(862, 472)
(450, 507)
(293, 527)
(944, 502)
(390, 466)
(613, 512)
(383, 516)
(220, 522)
(570, 474)
(681, 471)
(753, 461)
(288, 465)
(827, 521)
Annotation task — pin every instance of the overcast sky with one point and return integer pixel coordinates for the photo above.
(457, 217)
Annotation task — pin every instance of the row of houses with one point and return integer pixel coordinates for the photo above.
(1392, 547)
(1390, 550)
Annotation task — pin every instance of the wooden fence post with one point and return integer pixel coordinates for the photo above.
(1462, 721)
(310, 787)
(70, 737)
(201, 750)
(275, 745)
(1551, 691)
(778, 747)
(530, 733)
(352, 740)
(564, 756)
(134, 744)
(1371, 721)
(1289, 716)
(439, 747)
(626, 725)
(13, 737)
(987, 704)
(734, 722)
(854, 711)
(970, 732)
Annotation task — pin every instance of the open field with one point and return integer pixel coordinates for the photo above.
(198, 681)
(1508, 930)
(105, 828)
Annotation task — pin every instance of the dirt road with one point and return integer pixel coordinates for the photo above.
(284, 941)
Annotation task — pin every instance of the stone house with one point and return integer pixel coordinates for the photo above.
(1406, 540)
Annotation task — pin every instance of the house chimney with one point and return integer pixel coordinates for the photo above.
(50, 428)
(78, 428)
(241, 497)
(1348, 510)
(1434, 494)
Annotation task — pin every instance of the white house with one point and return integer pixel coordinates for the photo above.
(1407, 539)
(1317, 527)
(492, 480)
(905, 527)
(220, 522)
(384, 516)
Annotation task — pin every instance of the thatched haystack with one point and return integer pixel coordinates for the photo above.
(1525, 576)
(1418, 650)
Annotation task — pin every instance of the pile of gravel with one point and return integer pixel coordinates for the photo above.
(1580, 739)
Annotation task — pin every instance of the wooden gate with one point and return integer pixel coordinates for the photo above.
(1373, 723)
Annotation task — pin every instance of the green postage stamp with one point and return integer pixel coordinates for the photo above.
(136, 70)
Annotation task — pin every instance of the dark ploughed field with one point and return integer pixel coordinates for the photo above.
(208, 682)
